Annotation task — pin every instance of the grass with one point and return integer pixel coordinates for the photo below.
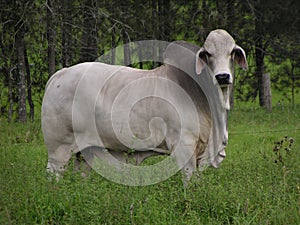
(248, 188)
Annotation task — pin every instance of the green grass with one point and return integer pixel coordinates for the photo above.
(248, 188)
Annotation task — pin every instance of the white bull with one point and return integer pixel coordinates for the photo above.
(157, 111)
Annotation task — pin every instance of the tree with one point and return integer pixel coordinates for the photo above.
(260, 49)
(125, 11)
(29, 86)
(285, 49)
(7, 63)
(50, 37)
(89, 38)
(39, 37)
(20, 50)
(66, 32)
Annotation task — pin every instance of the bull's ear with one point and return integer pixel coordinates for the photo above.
(240, 57)
(200, 60)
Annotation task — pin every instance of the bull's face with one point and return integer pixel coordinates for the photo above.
(219, 53)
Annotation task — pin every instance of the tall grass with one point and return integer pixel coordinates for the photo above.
(248, 188)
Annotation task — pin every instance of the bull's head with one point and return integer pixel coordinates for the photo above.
(220, 52)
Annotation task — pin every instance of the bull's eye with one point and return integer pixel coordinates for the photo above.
(204, 55)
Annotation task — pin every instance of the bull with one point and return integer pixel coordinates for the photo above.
(159, 111)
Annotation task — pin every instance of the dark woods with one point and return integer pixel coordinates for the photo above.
(39, 37)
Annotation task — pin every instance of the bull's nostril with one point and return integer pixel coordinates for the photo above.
(223, 78)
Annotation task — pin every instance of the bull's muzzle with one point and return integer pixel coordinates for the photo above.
(223, 78)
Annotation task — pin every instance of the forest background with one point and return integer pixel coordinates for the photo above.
(40, 37)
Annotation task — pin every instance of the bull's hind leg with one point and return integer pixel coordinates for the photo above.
(81, 165)
(59, 158)
(59, 140)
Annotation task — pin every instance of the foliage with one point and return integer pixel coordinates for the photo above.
(75, 25)
(248, 188)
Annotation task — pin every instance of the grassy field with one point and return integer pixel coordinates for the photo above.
(248, 188)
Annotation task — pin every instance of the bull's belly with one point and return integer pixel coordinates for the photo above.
(139, 137)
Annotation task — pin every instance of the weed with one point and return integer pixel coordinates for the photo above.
(283, 149)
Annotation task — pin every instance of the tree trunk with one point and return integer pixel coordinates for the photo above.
(231, 97)
(166, 20)
(293, 83)
(89, 48)
(230, 21)
(125, 35)
(205, 21)
(230, 16)
(22, 113)
(259, 57)
(10, 94)
(205, 12)
(28, 81)
(140, 55)
(164, 25)
(267, 92)
(113, 46)
(221, 13)
(51, 38)
(154, 19)
(127, 55)
(113, 35)
(155, 22)
(66, 32)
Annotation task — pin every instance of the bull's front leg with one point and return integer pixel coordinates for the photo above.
(188, 169)
(185, 154)
(192, 163)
